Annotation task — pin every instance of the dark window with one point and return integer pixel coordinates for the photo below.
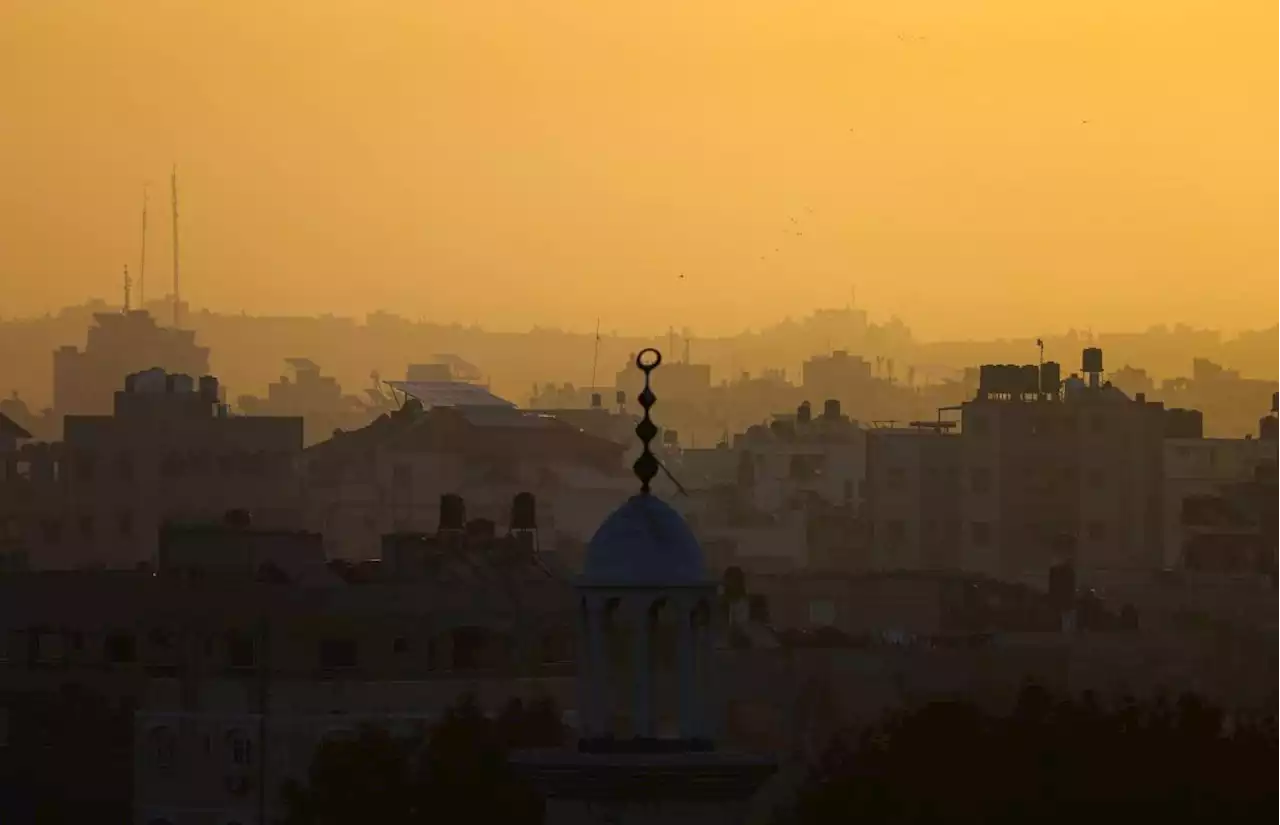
(1097, 479)
(896, 478)
(124, 520)
(86, 526)
(85, 466)
(337, 653)
(1097, 531)
(120, 649)
(240, 650)
(402, 475)
(980, 480)
(52, 528)
(975, 424)
(980, 532)
(400, 645)
(895, 533)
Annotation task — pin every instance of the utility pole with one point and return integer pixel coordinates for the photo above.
(595, 358)
(177, 301)
(127, 285)
(142, 258)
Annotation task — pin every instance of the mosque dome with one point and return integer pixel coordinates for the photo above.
(644, 543)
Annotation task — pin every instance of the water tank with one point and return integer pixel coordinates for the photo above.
(209, 388)
(831, 409)
(596, 401)
(524, 512)
(1091, 360)
(453, 512)
(804, 413)
(1050, 377)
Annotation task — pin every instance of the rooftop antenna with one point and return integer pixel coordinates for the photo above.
(177, 303)
(127, 284)
(1040, 369)
(595, 357)
(142, 258)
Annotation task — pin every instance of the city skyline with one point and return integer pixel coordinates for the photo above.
(537, 167)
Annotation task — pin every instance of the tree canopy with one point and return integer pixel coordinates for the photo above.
(1050, 761)
(454, 771)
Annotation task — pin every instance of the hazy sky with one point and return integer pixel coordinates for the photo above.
(979, 167)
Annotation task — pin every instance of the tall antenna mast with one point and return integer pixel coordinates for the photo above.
(142, 259)
(595, 358)
(127, 285)
(177, 304)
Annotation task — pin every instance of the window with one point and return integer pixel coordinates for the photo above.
(400, 645)
(822, 612)
(1096, 479)
(402, 475)
(975, 424)
(51, 648)
(86, 527)
(896, 478)
(124, 467)
(52, 529)
(124, 521)
(337, 653)
(85, 467)
(980, 533)
(980, 480)
(1097, 531)
(240, 650)
(163, 745)
(240, 749)
(120, 649)
(895, 534)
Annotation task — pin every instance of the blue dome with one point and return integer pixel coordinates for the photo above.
(644, 543)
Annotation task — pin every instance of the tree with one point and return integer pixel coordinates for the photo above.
(1050, 761)
(456, 771)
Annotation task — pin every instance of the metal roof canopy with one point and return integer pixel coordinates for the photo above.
(450, 394)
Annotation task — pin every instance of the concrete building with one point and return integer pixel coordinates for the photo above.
(388, 477)
(911, 501)
(315, 398)
(1036, 463)
(169, 452)
(85, 381)
(1203, 468)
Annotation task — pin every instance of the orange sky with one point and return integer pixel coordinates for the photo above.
(515, 162)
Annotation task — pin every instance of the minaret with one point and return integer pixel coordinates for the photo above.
(645, 667)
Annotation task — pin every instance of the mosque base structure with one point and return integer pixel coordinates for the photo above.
(687, 788)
